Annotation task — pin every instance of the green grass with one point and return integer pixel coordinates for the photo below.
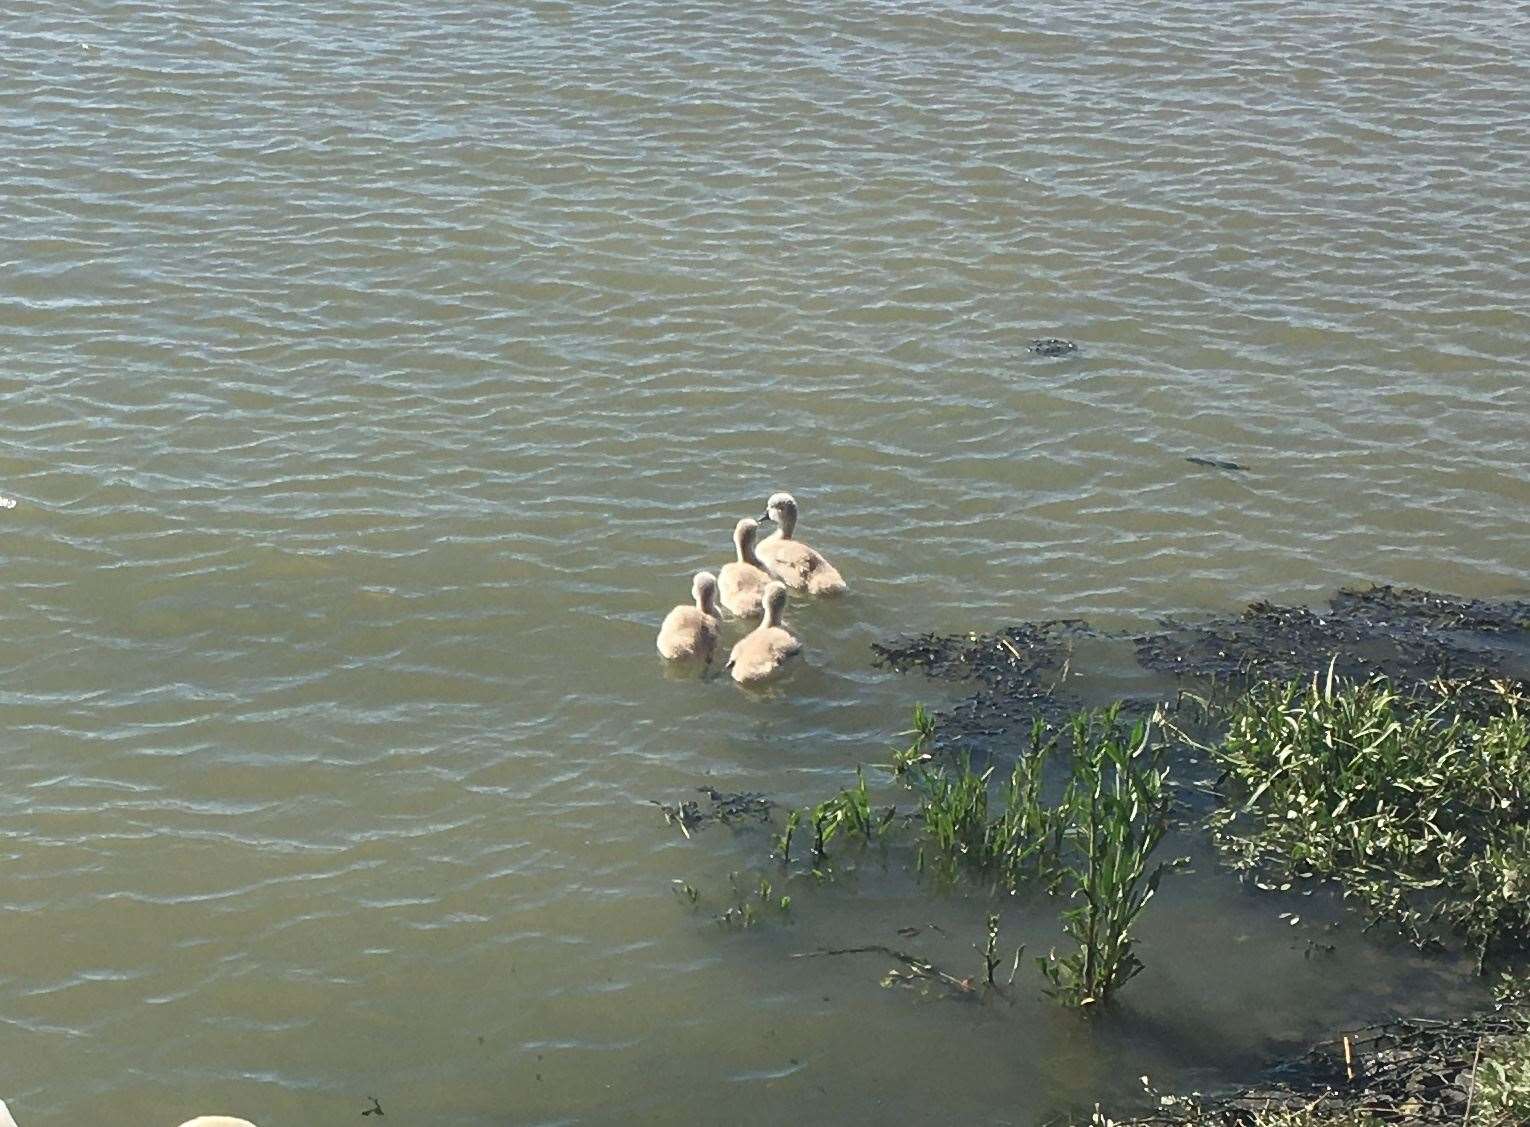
(1011, 837)
(847, 812)
(1095, 841)
(1419, 808)
(1115, 813)
(1501, 1091)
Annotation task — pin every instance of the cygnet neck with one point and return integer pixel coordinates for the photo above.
(772, 613)
(743, 540)
(706, 601)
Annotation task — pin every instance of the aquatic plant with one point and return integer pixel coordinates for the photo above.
(849, 811)
(1021, 841)
(1419, 807)
(990, 951)
(1116, 812)
(784, 841)
(743, 913)
(1097, 839)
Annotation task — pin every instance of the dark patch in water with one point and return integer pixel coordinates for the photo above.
(1052, 346)
(1216, 463)
(726, 808)
(1020, 669)
(1408, 635)
(1403, 633)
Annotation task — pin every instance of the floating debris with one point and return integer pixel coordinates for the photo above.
(918, 973)
(7, 502)
(687, 815)
(1216, 463)
(1052, 346)
(747, 804)
(726, 808)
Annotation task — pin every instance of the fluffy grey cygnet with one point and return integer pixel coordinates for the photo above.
(765, 650)
(690, 632)
(741, 584)
(791, 561)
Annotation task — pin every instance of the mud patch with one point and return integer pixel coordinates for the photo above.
(1405, 634)
(1406, 1072)
(1021, 671)
(1409, 635)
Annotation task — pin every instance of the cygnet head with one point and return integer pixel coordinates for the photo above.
(217, 1121)
(743, 539)
(704, 591)
(782, 508)
(775, 603)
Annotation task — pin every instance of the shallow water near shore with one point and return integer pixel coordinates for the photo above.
(376, 375)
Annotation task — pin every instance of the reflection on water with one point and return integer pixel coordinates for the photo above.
(377, 375)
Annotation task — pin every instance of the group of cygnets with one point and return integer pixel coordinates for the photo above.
(754, 584)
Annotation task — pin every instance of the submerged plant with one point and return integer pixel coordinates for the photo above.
(1098, 838)
(1117, 810)
(917, 753)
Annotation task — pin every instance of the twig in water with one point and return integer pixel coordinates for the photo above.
(1471, 1088)
(918, 968)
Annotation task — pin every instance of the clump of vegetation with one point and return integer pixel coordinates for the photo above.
(1502, 1083)
(1419, 807)
(849, 812)
(1115, 812)
(726, 809)
(749, 904)
(1096, 840)
(1011, 837)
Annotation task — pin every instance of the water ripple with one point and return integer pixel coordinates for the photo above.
(377, 374)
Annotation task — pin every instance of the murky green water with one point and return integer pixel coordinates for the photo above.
(375, 376)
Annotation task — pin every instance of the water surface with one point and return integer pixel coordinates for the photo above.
(376, 375)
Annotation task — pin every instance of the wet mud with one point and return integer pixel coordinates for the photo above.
(1411, 636)
(1021, 673)
(1405, 1072)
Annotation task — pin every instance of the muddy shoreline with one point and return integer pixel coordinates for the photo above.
(1408, 1072)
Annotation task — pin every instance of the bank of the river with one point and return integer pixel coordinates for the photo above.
(1471, 1072)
